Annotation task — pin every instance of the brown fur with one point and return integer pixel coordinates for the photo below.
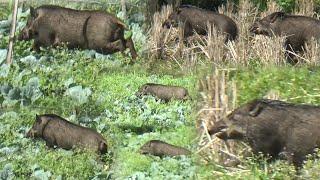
(274, 127)
(86, 29)
(160, 148)
(59, 132)
(163, 92)
(298, 29)
(196, 19)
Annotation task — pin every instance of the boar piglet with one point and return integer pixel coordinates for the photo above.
(194, 19)
(160, 148)
(275, 128)
(297, 30)
(85, 29)
(59, 132)
(163, 92)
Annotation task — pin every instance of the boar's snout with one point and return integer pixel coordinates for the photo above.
(142, 151)
(224, 131)
(143, 90)
(166, 24)
(146, 148)
(24, 35)
(31, 133)
(219, 127)
(260, 28)
(254, 29)
(138, 94)
(186, 96)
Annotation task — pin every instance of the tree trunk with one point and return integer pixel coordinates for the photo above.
(12, 31)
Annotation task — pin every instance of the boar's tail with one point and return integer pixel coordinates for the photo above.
(103, 148)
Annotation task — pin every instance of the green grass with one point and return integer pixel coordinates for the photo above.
(297, 85)
(127, 121)
(40, 83)
(112, 108)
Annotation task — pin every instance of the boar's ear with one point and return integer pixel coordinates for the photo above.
(277, 15)
(255, 110)
(38, 118)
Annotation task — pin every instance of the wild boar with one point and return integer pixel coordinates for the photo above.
(297, 29)
(153, 6)
(160, 148)
(98, 30)
(163, 92)
(196, 20)
(276, 128)
(59, 132)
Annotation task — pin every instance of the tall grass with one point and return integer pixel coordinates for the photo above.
(246, 50)
(219, 99)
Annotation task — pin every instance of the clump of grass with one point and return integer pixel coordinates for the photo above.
(158, 37)
(305, 7)
(219, 99)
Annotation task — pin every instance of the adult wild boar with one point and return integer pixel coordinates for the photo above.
(160, 148)
(275, 128)
(196, 20)
(297, 29)
(98, 30)
(163, 92)
(59, 132)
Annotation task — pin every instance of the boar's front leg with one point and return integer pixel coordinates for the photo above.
(102, 148)
(115, 46)
(50, 142)
(130, 45)
(36, 46)
(121, 45)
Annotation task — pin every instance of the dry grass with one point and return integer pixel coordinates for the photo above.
(219, 99)
(305, 7)
(165, 44)
(219, 95)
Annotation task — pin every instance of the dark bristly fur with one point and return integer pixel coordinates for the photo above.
(196, 19)
(59, 132)
(275, 128)
(163, 92)
(98, 30)
(297, 29)
(160, 148)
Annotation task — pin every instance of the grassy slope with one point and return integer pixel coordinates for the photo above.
(125, 120)
(113, 85)
(128, 122)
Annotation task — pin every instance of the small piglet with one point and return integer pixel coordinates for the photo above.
(57, 131)
(163, 92)
(160, 148)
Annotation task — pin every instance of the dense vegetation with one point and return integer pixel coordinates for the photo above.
(98, 91)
